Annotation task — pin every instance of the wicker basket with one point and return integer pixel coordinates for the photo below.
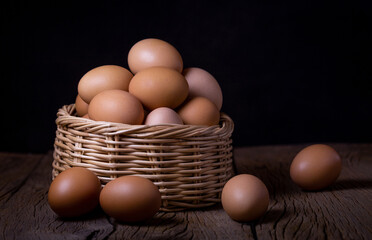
(189, 164)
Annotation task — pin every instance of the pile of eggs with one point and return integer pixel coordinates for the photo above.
(156, 90)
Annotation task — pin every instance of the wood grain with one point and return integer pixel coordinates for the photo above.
(343, 211)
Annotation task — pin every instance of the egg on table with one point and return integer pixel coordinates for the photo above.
(130, 199)
(74, 192)
(245, 198)
(316, 167)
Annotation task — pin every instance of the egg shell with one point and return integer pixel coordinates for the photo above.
(103, 78)
(153, 52)
(316, 167)
(116, 106)
(163, 115)
(245, 198)
(130, 199)
(159, 87)
(81, 106)
(74, 192)
(203, 84)
(199, 111)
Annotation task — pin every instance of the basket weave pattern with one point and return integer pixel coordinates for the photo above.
(189, 164)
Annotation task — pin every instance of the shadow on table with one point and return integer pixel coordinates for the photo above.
(91, 216)
(160, 219)
(273, 215)
(346, 184)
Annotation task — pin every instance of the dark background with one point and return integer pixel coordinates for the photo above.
(290, 72)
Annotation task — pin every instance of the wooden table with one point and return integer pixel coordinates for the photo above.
(343, 211)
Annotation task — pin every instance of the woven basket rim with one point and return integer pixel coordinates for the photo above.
(66, 115)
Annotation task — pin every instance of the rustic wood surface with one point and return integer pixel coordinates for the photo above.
(343, 211)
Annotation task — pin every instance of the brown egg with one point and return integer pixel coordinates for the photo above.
(103, 78)
(130, 199)
(86, 116)
(153, 52)
(81, 106)
(116, 106)
(159, 87)
(74, 192)
(316, 167)
(199, 111)
(203, 84)
(163, 115)
(245, 198)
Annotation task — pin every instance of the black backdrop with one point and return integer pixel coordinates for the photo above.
(290, 72)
